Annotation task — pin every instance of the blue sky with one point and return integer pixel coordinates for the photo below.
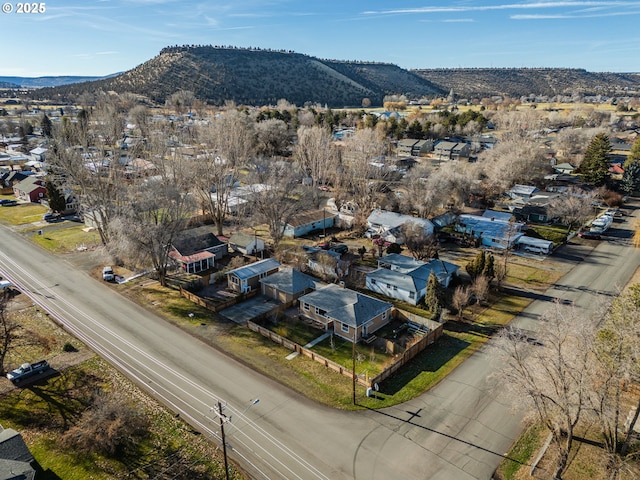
(100, 37)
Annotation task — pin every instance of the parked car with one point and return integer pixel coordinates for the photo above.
(51, 217)
(590, 235)
(5, 285)
(9, 203)
(341, 248)
(108, 275)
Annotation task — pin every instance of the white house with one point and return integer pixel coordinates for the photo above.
(405, 278)
(246, 244)
(388, 225)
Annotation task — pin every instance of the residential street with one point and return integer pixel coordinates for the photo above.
(459, 430)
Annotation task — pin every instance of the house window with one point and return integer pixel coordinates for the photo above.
(412, 294)
(373, 281)
(388, 285)
(234, 280)
(305, 307)
(384, 315)
(344, 328)
(395, 287)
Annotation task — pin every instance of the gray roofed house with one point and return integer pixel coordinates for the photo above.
(352, 314)
(405, 278)
(16, 461)
(245, 243)
(287, 285)
(197, 248)
(247, 278)
(387, 224)
(523, 192)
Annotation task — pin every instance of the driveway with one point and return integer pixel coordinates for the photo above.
(249, 309)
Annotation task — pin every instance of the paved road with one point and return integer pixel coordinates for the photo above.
(458, 430)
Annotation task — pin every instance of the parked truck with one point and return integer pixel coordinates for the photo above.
(27, 370)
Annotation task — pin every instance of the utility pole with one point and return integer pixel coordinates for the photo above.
(353, 365)
(223, 419)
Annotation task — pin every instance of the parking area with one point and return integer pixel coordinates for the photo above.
(250, 309)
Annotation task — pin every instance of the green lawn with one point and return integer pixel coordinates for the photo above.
(22, 214)
(64, 239)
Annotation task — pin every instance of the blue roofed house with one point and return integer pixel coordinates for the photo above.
(247, 278)
(352, 315)
(492, 232)
(405, 278)
(388, 225)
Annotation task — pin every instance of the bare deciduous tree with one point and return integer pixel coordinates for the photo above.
(317, 157)
(460, 299)
(574, 208)
(157, 211)
(551, 374)
(420, 244)
(272, 136)
(278, 199)
(228, 143)
(8, 329)
(480, 288)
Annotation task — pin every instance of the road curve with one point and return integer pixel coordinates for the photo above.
(458, 430)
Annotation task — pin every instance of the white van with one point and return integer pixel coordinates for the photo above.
(5, 285)
(536, 249)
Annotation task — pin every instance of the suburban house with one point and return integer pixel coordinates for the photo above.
(536, 209)
(308, 222)
(405, 278)
(247, 278)
(71, 203)
(287, 285)
(246, 244)
(388, 225)
(196, 249)
(351, 314)
(491, 232)
(564, 168)
(16, 461)
(522, 192)
(31, 189)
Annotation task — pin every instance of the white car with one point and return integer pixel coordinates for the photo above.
(108, 275)
(5, 285)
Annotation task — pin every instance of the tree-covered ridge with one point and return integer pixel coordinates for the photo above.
(257, 77)
(516, 82)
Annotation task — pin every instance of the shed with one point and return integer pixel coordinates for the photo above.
(246, 244)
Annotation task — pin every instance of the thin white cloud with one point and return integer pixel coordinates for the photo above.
(572, 15)
(507, 6)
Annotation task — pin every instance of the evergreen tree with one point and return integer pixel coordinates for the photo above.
(476, 266)
(634, 155)
(595, 166)
(56, 199)
(489, 268)
(433, 299)
(45, 125)
(631, 178)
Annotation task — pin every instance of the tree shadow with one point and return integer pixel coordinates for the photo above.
(431, 359)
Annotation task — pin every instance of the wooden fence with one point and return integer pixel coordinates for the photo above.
(294, 347)
(216, 306)
(434, 332)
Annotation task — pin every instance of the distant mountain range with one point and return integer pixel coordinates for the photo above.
(262, 77)
(39, 82)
